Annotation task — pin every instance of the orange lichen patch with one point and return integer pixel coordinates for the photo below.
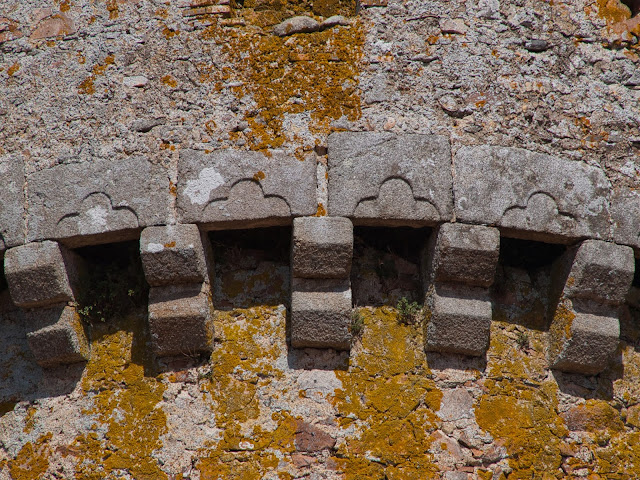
(128, 424)
(101, 68)
(520, 407)
(65, 6)
(388, 397)
(173, 189)
(259, 176)
(169, 81)
(326, 87)
(13, 69)
(169, 33)
(29, 420)
(251, 341)
(112, 8)
(321, 212)
(32, 460)
(170, 245)
(87, 87)
(618, 16)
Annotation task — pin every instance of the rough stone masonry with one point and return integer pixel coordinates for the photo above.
(195, 194)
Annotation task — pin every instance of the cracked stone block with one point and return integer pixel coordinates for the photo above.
(228, 188)
(386, 179)
(61, 342)
(11, 201)
(458, 320)
(601, 272)
(531, 195)
(41, 274)
(582, 342)
(322, 247)
(461, 253)
(97, 202)
(625, 212)
(175, 254)
(321, 314)
(180, 319)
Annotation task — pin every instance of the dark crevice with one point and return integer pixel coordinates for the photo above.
(528, 254)
(386, 265)
(251, 267)
(636, 275)
(633, 5)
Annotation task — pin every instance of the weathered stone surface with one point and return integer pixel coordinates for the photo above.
(455, 405)
(320, 314)
(97, 202)
(322, 247)
(458, 321)
(334, 21)
(230, 187)
(625, 217)
(41, 274)
(180, 319)
(310, 438)
(174, 254)
(463, 254)
(61, 342)
(590, 282)
(601, 272)
(583, 342)
(387, 179)
(531, 195)
(300, 24)
(11, 201)
(56, 25)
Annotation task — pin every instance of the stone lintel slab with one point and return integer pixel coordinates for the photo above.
(582, 342)
(625, 217)
(238, 189)
(458, 320)
(97, 202)
(322, 247)
(62, 341)
(459, 253)
(175, 254)
(11, 201)
(387, 179)
(180, 319)
(321, 314)
(40, 274)
(531, 195)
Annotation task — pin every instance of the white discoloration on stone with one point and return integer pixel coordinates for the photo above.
(154, 247)
(200, 189)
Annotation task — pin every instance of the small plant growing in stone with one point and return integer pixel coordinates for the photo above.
(410, 313)
(522, 339)
(357, 323)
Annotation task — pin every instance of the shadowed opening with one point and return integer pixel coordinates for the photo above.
(251, 267)
(636, 275)
(634, 6)
(528, 254)
(386, 265)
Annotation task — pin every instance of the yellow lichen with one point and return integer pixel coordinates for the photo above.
(388, 396)
(128, 424)
(87, 87)
(32, 460)
(169, 81)
(13, 69)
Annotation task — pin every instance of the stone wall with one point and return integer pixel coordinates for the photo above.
(319, 239)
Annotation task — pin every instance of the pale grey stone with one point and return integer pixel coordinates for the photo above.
(458, 320)
(601, 272)
(322, 247)
(588, 348)
(321, 314)
(456, 404)
(97, 202)
(531, 195)
(462, 254)
(625, 217)
(41, 274)
(180, 319)
(63, 341)
(300, 24)
(455, 476)
(334, 21)
(388, 179)
(135, 81)
(229, 188)
(11, 201)
(175, 254)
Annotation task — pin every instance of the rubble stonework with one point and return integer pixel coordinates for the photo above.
(320, 287)
(43, 279)
(459, 265)
(177, 260)
(594, 278)
(11, 201)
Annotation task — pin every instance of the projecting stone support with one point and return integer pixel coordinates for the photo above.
(11, 201)
(43, 279)
(458, 267)
(591, 282)
(321, 254)
(177, 261)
